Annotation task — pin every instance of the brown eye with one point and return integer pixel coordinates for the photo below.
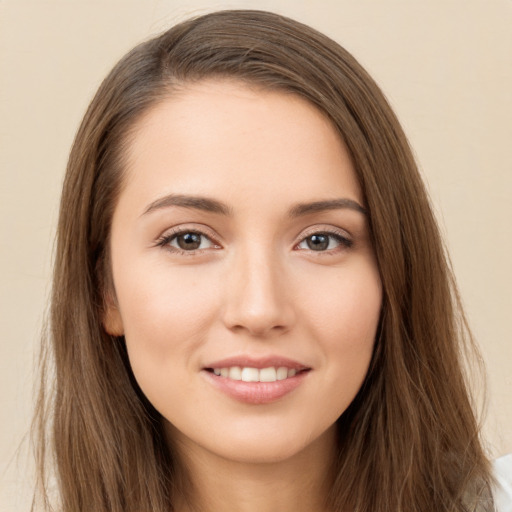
(189, 241)
(317, 242)
(186, 242)
(325, 242)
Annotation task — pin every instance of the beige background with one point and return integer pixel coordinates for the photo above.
(446, 66)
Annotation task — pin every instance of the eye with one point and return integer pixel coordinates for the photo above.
(186, 241)
(325, 241)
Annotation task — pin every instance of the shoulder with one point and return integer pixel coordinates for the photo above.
(502, 468)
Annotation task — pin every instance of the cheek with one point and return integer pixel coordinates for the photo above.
(165, 313)
(345, 319)
(346, 304)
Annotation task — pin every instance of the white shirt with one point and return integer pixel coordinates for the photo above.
(503, 489)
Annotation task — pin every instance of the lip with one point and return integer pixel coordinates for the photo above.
(256, 393)
(257, 362)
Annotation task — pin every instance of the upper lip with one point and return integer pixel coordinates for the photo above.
(258, 362)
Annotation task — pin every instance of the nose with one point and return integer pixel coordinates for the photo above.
(258, 295)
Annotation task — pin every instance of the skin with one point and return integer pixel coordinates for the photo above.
(255, 286)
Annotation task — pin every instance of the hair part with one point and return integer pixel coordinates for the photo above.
(410, 440)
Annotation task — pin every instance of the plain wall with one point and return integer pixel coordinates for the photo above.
(445, 65)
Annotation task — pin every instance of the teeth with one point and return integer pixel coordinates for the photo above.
(235, 373)
(250, 375)
(282, 373)
(268, 375)
(247, 374)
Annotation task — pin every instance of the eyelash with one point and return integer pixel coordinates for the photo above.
(339, 236)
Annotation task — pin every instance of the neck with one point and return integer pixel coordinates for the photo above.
(300, 483)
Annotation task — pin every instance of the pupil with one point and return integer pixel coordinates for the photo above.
(318, 242)
(189, 241)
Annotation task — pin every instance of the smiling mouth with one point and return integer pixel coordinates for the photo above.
(250, 374)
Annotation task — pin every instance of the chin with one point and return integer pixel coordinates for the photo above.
(267, 452)
(258, 443)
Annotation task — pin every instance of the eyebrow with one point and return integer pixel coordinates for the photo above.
(214, 206)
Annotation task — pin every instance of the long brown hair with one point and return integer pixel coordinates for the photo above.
(409, 441)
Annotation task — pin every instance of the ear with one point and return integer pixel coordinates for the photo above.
(112, 321)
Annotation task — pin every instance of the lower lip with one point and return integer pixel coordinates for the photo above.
(256, 392)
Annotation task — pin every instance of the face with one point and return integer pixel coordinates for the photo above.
(245, 281)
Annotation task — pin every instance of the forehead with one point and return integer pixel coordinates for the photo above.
(240, 142)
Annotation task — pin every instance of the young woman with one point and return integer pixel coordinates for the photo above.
(251, 307)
